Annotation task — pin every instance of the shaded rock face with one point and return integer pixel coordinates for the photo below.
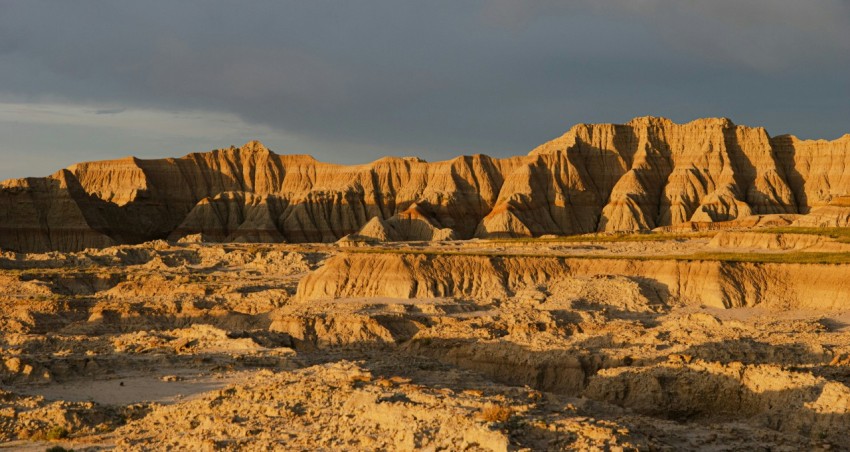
(642, 175)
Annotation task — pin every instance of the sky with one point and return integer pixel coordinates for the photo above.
(352, 81)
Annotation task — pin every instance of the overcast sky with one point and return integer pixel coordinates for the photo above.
(350, 81)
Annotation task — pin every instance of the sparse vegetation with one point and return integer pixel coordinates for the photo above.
(495, 413)
(841, 235)
(612, 237)
(794, 257)
(57, 432)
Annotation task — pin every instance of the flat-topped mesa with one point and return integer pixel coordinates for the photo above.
(645, 174)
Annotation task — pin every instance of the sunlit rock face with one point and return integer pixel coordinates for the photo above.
(642, 175)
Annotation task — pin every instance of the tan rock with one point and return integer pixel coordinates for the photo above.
(645, 174)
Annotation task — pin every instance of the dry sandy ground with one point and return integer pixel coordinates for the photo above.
(216, 347)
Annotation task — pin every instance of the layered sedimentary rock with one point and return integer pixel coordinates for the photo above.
(642, 175)
(483, 277)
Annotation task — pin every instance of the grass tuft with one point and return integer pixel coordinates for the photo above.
(495, 413)
(57, 432)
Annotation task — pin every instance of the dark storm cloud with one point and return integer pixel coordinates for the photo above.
(352, 80)
(109, 111)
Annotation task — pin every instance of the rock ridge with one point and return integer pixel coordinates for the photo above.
(648, 173)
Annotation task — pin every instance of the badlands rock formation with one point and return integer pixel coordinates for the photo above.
(487, 345)
(645, 174)
(695, 282)
(133, 316)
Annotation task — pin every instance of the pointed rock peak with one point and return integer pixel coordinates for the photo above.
(378, 229)
(375, 222)
(65, 177)
(641, 122)
(254, 146)
(298, 159)
(375, 230)
(649, 120)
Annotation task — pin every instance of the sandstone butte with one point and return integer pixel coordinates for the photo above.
(649, 173)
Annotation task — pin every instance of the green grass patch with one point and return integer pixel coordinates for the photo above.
(796, 257)
(609, 237)
(838, 234)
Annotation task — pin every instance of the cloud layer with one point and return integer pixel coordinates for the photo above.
(351, 81)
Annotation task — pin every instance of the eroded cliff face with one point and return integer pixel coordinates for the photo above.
(645, 174)
(715, 284)
(652, 172)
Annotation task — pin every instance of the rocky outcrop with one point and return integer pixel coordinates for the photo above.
(766, 394)
(645, 174)
(42, 214)
(652, 172)
(767, 241)
(410, 225)
(484, 277)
